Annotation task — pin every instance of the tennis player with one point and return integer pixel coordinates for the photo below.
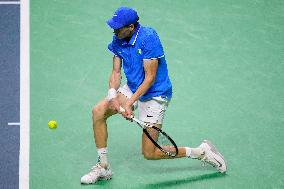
(139, 51)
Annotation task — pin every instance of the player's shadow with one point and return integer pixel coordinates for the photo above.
(158, 169)
(176, 182)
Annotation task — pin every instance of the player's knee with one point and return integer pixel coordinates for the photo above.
(97, 112)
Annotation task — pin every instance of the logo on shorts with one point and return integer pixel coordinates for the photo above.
(139, 51)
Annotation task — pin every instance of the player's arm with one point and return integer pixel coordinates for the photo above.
(114, 83)
(115, 77)
(150, 68)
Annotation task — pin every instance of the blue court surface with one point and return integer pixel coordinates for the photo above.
(9, 95)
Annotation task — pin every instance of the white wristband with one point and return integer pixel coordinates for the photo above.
(111, 93)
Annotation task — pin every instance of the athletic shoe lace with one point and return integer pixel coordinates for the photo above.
(206, 159)
(95, 170)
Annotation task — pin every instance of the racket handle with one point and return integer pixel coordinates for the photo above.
(140, 123)
(123, 110)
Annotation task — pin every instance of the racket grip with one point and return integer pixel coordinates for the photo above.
(123, 110)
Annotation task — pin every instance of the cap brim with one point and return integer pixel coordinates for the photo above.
(114, 25)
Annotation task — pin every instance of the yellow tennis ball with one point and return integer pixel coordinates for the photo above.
(52, 124)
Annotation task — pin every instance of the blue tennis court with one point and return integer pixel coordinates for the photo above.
(9, 95)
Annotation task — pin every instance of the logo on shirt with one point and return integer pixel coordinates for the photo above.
(139, 51)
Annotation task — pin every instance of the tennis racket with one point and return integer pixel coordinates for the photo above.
(164, 142)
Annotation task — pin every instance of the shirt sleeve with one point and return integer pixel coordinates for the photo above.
(112, 49)
(152, 47)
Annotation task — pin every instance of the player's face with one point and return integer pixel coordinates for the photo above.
(124, 32)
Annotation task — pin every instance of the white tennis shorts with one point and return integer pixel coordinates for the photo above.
(151, 111)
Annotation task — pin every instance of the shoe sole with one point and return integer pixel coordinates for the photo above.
(108, 177)
(99, 179)
(215, 150)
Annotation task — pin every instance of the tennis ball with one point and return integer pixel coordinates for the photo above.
(52, 124)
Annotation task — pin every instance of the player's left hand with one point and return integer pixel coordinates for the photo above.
(127, 114)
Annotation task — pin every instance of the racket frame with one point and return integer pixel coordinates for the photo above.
(144, 126)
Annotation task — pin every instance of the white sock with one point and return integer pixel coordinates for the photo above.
(102, 156)
(193, 152)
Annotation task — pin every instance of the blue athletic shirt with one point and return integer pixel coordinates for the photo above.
(144, 44)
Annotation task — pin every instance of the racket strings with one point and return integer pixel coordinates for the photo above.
(166, 144)
(163, 140)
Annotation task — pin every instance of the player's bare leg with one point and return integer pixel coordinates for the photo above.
(101, 112)
(206, 152)
(151, 152)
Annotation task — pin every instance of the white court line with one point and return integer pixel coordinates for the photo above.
(14, 123)
(10, 3)
(24, 95)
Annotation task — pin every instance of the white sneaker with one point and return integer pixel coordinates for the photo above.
(97, 173)
(212, 156)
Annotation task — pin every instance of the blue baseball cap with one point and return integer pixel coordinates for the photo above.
(123, 16)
